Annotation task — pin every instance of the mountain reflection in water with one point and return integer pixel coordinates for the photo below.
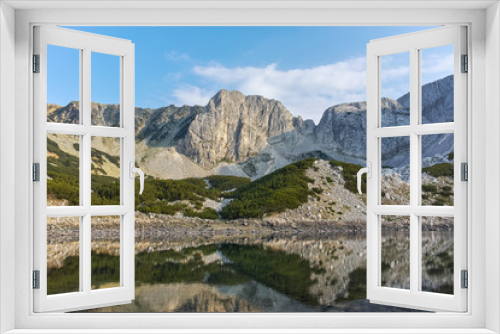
(259, 274)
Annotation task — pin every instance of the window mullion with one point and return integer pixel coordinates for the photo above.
(414, 169)
(85, 237)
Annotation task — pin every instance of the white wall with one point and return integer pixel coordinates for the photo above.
(492, 166)
(7, 161)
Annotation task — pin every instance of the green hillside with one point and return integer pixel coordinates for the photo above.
(285, 188)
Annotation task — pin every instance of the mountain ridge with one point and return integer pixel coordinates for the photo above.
(249, 135)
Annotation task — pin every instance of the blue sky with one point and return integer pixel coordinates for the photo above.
(307, 68)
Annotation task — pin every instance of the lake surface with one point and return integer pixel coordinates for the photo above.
(278, 273)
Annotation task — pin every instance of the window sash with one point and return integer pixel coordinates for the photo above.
(414, 298)
(86, 297)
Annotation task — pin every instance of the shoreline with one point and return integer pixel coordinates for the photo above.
(159, 226)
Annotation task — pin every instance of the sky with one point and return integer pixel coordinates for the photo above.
(308, 69)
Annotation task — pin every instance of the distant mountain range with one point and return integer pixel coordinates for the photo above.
(251, 136)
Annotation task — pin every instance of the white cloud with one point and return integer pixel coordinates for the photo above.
(306, 92)
(192, 95)
(437, 66)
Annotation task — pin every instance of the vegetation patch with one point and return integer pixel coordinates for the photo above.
(350, 179)
(227, 182)
(208, 213)
(158, 196)
(63, 174)
(437, 170)
(285, 188)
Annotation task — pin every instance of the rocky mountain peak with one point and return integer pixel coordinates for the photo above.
(224, 95)
(234, 127)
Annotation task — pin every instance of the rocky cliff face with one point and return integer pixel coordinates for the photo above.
(343, 129)
(234, 127)
(169, 124)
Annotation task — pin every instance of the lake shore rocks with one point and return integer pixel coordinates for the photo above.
(164, 226)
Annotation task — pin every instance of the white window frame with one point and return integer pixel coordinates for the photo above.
(483, 102)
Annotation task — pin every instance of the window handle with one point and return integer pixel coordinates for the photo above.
(134, 170)
(368, 171)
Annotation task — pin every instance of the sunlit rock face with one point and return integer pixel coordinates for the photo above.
(234, 127)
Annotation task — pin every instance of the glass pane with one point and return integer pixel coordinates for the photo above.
(105, 90)
(437, 254)
(105, 171)
(395, 250)
(63, 251)
(63, 170)
(437, 170)
(63, 84)
(105, 256)
(437, 84)
(395, 186)
(395, 89)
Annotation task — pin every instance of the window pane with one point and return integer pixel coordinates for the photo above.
(437, 84)
(105, 171)
(437, 254)
(395, 89)
(63, 170)
(395, 251)
(437, 170)
(63, 251)
(395, 186)
(105, 252)
(63, 84)
(105, 90)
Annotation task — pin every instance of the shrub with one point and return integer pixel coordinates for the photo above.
(428, 188)
(208, 213)
(317, 190)
(285, 188)
(437, 170)
(227, 182)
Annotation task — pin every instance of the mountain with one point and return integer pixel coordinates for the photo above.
(252, 136)
(342, 129)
